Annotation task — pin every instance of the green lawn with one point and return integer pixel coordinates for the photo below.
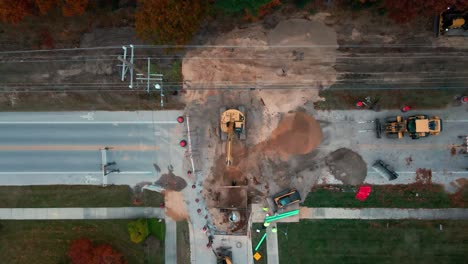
(73, 196)
(45, 242)
(395, 196)
(255, 239)
(183, 243)
(357, 241)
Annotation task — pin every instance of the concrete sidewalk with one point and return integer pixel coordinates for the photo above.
(80, 213)
(170, 243)
(384, 213)
(272, 245)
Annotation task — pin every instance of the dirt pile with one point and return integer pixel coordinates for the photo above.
(169, 181)
(255, 57)
(347, 166)
(175, 205)
(297, 134)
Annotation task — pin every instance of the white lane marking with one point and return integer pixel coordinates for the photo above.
(68, 172)
(89, 116)
(84, 122)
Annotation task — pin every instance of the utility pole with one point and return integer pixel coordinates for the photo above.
(128, 65)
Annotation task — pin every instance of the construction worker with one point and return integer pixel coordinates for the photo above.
(405, 108)
(266, 224)
(265, 209)
(274, 229)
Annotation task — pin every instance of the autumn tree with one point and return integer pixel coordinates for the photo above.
(13, 11)
(406, 10)
(45, 5)
(105, 254)
(74, 7)
(82, 251)
(138, 230)
(169, 21)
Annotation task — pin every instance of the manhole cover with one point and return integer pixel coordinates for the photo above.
(239, 244)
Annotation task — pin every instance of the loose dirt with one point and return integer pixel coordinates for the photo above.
(254, 59)
(175, 205)
(297, 134)
(347, 166)
(423, 176)
(169, 181)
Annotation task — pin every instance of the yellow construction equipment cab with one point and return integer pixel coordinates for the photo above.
(451, 22)
(415, 126)
(223, 255)
(232, 121)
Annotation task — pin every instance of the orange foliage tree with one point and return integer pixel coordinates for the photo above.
(169, 21)
(405, 10)
(13, 11)
(45, 5)
(74, 7)
(82, 251)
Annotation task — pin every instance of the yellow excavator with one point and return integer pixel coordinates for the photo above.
(232, 122)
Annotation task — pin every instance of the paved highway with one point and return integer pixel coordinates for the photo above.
(443, 154)
(65, 147)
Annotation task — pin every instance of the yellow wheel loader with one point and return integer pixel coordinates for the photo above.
(232, 122)
(415, 126)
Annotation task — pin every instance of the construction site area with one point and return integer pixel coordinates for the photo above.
(292, 122)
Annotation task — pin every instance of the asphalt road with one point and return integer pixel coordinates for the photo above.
(65, 147)
(355, 130)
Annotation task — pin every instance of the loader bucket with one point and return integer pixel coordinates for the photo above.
(378, 128)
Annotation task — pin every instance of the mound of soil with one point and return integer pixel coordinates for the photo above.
(169, 181)
(175, 205)
(347, 166)
(297, 133)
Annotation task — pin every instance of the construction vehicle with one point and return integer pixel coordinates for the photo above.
(232, 122)
(416, 126)
(223, 255)
(286, 197)
(451, 22)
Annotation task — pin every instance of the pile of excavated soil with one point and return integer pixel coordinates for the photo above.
(169, 181)
(175, 205)
(297, 134)
(347, 166)
(286, 55)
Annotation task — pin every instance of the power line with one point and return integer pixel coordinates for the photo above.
(319, 60)
(173, 88)
(235, 46)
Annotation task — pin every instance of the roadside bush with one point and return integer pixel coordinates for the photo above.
(138, 230)
(241, 6)
(82, 251)
(169, 22)
(302, 3)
